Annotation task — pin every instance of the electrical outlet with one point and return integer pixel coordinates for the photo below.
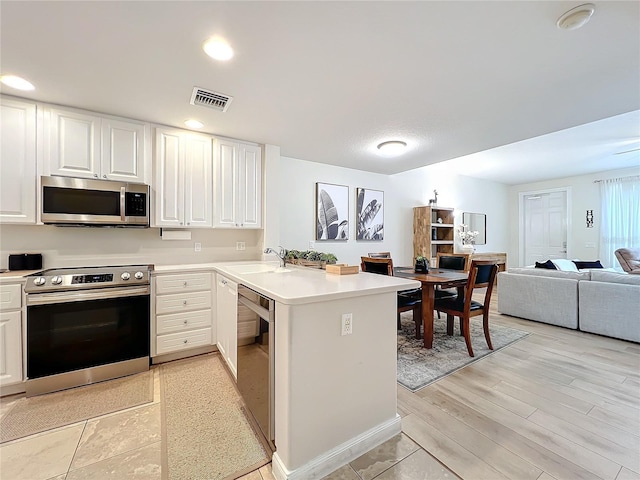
(240, 246)
(347, 324)
(312, 245)
(197, 247)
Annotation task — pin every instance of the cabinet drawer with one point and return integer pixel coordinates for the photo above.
(183, 302)
(10, 297)
(177, 322)
(184, 282)
(173, 342)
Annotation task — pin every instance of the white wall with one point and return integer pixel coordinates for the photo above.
(74, 246)
(585, 195)
(296, 205)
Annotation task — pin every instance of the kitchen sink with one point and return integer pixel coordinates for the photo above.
(254, 268)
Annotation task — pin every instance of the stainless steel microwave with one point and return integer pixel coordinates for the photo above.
(100, 203)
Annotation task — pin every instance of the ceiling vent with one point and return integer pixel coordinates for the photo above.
(208, 98)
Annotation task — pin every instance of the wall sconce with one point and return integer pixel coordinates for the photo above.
(589, 218)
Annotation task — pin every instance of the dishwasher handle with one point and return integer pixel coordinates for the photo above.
(260, 310)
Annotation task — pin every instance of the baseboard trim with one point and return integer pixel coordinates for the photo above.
(192, 352)
(340, 455)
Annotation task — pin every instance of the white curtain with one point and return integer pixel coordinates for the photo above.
(620, 224)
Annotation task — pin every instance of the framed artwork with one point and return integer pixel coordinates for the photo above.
(369, 214)
(332, 212)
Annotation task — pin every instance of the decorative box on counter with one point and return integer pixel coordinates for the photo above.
(342, 269)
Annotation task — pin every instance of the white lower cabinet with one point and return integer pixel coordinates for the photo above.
(227, 312)
(10, 334)
(183, 312)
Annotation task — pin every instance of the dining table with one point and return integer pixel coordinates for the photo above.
(429, 280)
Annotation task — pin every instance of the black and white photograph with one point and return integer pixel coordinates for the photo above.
(332, 212)
(369, 214)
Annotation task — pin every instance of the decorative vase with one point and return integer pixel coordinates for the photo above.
(468, 248)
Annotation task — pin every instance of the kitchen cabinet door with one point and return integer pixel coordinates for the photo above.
(10, 347)
(198, 188)
(169, 184)
(17, 162)
(74, 144)
(227, 321)
(123, 150)
(250, 186)
(238, 181)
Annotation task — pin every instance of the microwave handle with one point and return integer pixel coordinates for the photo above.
(122, 203)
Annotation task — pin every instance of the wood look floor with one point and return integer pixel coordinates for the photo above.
(558, 404)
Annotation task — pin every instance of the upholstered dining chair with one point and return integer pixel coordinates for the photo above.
(451, 261)
(482, 274)
(407, 299)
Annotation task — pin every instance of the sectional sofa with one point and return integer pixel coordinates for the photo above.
(595, 301)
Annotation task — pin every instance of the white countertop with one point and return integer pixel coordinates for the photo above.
(301, 284)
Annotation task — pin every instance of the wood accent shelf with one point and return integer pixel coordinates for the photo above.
(430, 236)
(499, 257)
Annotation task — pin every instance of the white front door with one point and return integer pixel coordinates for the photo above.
(544, 223)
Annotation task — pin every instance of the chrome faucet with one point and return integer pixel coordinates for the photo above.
(282, 254)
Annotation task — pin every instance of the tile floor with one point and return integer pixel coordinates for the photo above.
(127, 445)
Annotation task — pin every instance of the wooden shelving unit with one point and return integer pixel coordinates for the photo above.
(432, 231)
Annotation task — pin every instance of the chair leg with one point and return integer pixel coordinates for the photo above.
(417, 318)
(485, 325)
(438, 313)
(399, 323)
(449, 324)
(461, 327)
(467, 335)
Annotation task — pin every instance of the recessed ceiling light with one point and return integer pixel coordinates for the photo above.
(392, 147)
(576, 17)
(193, 123)
(16, 82)
(218, 49)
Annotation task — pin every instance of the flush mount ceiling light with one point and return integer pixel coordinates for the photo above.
(191, 123)
(392, 148)
(576, 17)
(218, 49)
(16, 82)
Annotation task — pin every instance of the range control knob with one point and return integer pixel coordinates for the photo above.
(139, 275)
(125, 276)
(39, 281)
(57, 280)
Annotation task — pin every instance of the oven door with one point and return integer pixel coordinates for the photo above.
(69, 331)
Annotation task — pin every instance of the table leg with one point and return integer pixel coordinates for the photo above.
(428, 295)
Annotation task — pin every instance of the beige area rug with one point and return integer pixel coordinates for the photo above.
(206, 433)
(44, 412)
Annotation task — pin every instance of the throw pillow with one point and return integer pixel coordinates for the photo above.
(565, 265)
(548, 265)
(580, 265)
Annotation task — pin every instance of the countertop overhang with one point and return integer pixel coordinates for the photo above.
(301, 285)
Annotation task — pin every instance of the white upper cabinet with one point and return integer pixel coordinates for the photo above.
(17, 161)
(238, 181)
(86, 145)
(184, 180)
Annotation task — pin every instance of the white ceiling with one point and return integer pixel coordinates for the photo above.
(327, 81)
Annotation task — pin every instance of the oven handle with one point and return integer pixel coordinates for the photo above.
(68, 297)
(123, 204)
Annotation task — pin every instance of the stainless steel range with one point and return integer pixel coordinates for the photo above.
(86, 325)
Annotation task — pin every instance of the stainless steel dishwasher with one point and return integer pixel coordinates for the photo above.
(256, 362)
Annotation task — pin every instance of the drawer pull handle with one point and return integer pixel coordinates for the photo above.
(185, 341)
(185, 322)
(184, 284)
(184, 302)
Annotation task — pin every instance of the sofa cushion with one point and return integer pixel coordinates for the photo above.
(611, 277)
(548, 265)
(583, 264)
(629, 259)
(543, 272)
(564, 265)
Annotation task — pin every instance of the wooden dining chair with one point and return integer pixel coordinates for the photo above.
(482, 274)
(451, 261)
(406, 299)
(380, 255)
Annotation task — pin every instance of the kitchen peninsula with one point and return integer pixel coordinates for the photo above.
(335, 395)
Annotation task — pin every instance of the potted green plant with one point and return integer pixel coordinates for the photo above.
(422, 265)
